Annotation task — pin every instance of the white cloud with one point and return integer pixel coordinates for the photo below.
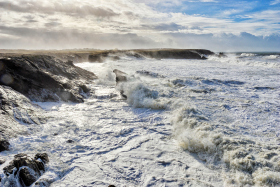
(274, 2)
(118, 18)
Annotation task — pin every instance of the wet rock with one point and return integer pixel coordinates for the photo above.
(120, 77)
(43, 156)
(44, 78)
(41, 183)
(26, 177)
(70, 141)
(84, 88)
(27, 168)
(4, 145)
(221, 55)
(2, 161)
(99, 57)
(70, 62)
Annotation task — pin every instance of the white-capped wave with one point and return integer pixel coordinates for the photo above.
(252, 60)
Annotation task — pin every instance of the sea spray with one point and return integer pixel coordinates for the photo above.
(242, 160)
(234, 154)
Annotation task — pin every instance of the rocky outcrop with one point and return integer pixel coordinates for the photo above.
(151, 53)
(120, 77)
(16, 108)
(175, 53)
(98, 57)
(27, 78)
(44, 78)
(25, 169)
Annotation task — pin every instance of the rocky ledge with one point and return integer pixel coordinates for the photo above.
(26, 170)
(27, 78)
(44, 78)
(96, 55)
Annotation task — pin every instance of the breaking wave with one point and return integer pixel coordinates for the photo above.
(249, 59)
(243, 160)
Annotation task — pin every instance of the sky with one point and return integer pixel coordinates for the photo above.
(217, 25)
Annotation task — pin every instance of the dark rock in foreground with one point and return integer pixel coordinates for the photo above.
(4, 145)
(44, 78)
(27, 168)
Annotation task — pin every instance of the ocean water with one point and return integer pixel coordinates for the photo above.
(208, 122)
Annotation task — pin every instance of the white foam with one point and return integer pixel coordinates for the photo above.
(216, 123)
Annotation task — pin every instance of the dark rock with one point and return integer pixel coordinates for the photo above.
(42, 183)
(28, 169)
(221, 55)
(175, 53)
(120, 77)
(4, 145)
(42, 77)
(43, 156)
(111, 185)
(2, 161)
(9, 169)
(99, 57)
(84, 88)
(24, 160)
(70, 141)
(70, 62)
(26, 178)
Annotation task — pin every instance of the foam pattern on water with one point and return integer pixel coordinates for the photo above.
(201, 122)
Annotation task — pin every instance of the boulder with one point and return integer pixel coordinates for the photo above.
(43, 156)
(70, 141)
(26, 177)
(4, 145)
(28, 169)
(120, 77)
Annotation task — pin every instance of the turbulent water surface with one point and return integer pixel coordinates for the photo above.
(208, 122)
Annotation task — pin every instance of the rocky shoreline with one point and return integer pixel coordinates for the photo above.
(28, 76)
(86, 55)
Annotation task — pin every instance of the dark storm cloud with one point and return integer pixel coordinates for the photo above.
(70, 9)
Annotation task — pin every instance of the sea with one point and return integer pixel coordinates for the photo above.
(184, 122)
